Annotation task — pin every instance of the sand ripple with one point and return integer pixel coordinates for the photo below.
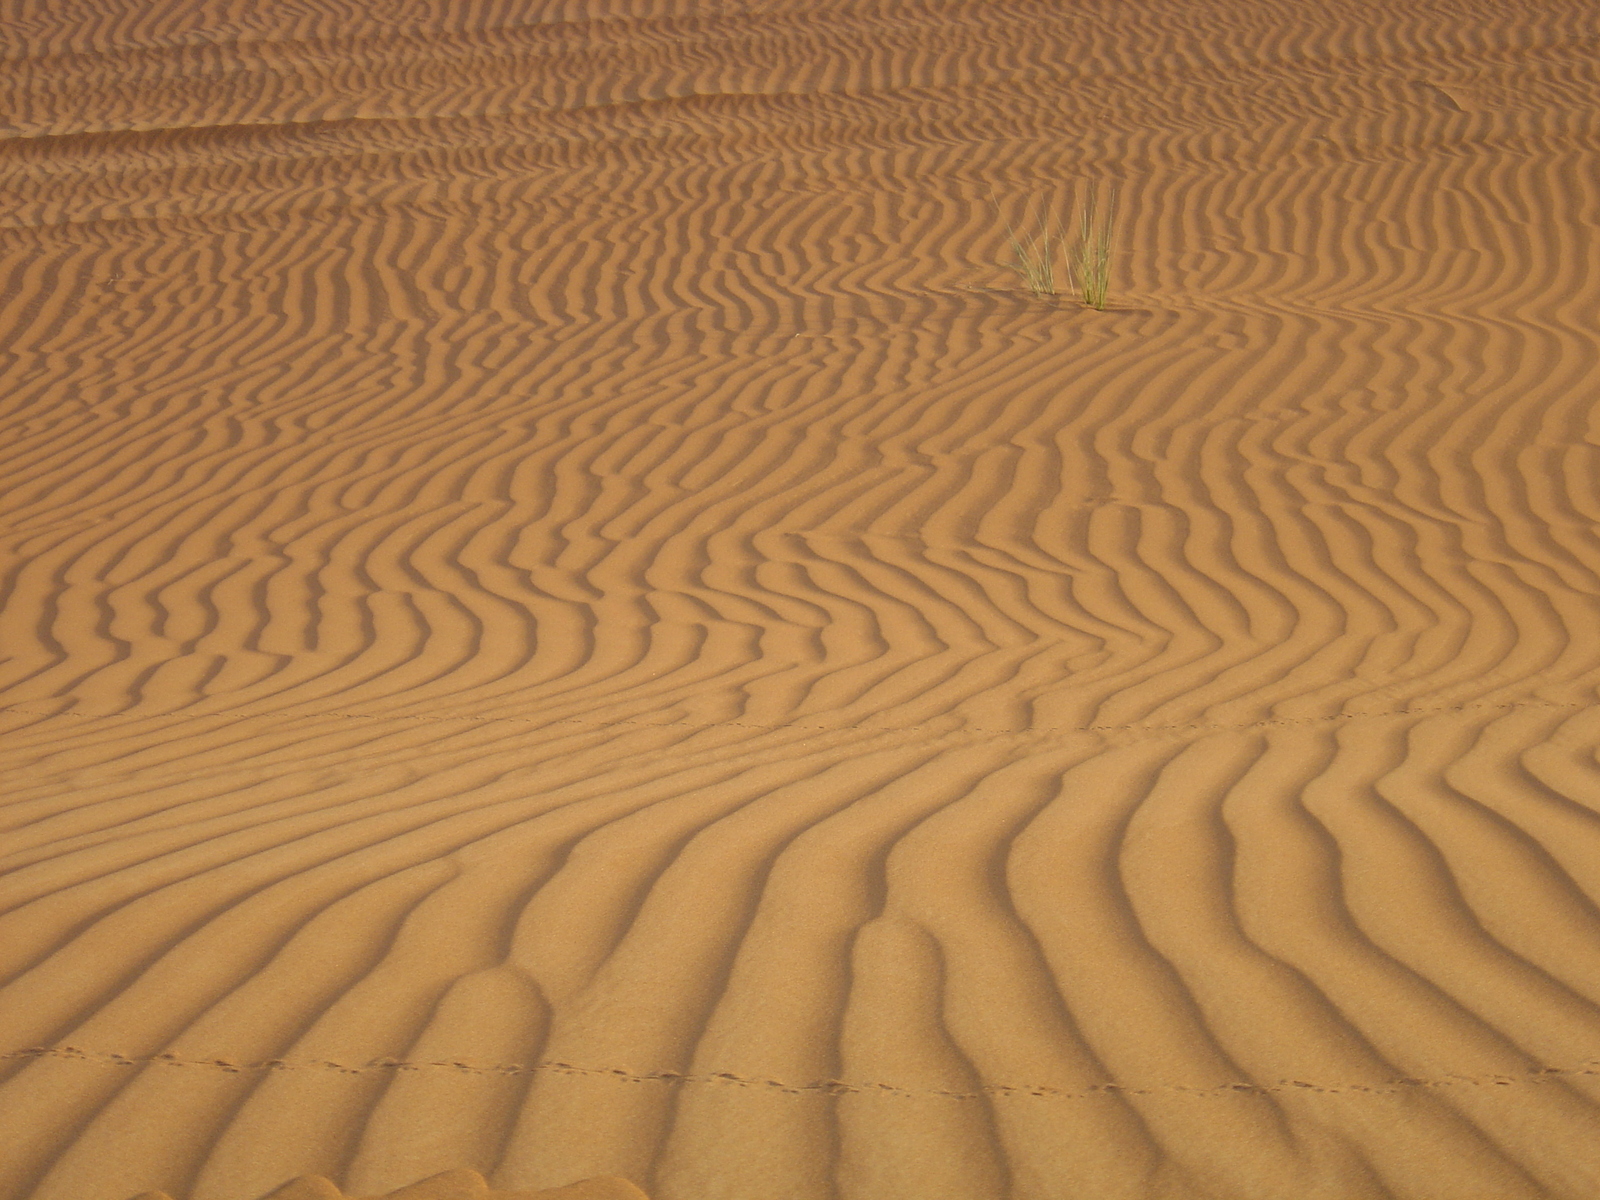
(562, 617)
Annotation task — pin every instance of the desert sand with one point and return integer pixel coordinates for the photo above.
(564, 615)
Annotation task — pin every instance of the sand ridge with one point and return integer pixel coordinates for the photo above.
(563, 617)
(460, 1184)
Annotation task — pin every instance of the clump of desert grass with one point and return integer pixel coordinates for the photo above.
(1034, 251)
(1091, 253)
(1041, 251)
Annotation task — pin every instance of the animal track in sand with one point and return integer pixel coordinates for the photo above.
(832, 1087)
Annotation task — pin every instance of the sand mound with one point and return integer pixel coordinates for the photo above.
(562, 613)
(459, 1184)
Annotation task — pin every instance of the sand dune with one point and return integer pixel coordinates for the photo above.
(565, 618)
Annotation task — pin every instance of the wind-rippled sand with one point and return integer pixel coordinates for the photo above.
(563, 617)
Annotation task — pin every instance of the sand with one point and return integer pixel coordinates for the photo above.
(565, 617)
(460, 1184)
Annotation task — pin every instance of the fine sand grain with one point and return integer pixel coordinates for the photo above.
(564, 615)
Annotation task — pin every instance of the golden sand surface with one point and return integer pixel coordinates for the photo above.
(459, 1184)
(564, 616)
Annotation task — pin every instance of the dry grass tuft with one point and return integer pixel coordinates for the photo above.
(1033, 253)
(1091, 255)
(1037, 247)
